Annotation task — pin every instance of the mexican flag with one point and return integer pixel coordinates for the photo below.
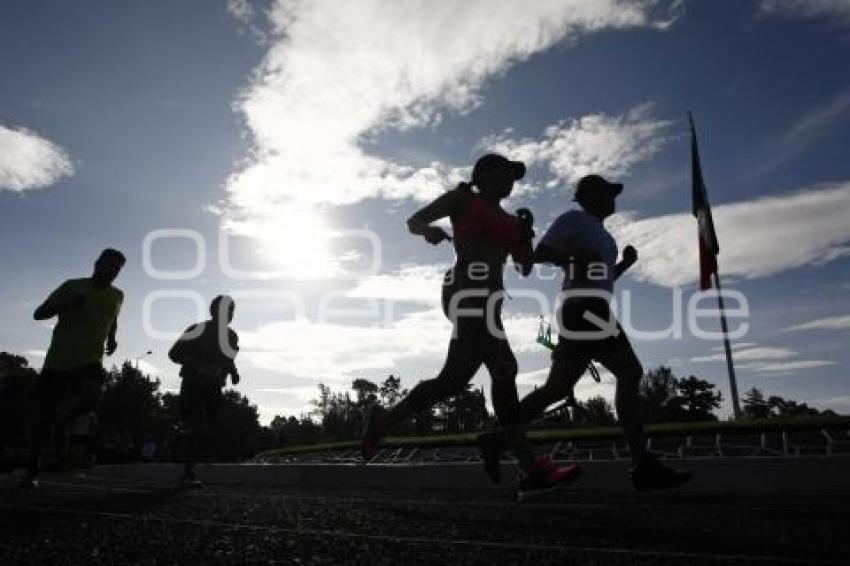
(708, 246)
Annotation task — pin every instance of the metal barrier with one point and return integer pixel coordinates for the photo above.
(774, 444)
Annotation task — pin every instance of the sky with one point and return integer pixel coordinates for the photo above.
(274, 149)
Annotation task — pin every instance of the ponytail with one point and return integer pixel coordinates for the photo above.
(464, 186)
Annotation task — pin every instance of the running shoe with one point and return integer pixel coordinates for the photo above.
(28, 482)
(544, 477)
(490, 445)
(190, 481)
(651, 474)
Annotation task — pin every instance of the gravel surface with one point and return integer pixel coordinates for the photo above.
(75, 519)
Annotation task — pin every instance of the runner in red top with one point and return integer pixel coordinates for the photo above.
(473, 293)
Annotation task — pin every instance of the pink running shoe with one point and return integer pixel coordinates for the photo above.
(544, 477)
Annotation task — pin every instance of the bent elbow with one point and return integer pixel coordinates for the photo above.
(412, 225)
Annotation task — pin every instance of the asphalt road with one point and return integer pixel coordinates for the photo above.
(85, 519)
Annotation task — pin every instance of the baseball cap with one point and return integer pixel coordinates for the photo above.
(593, 183)
(495, 163)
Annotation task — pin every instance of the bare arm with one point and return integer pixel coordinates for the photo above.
(444, 206)
(111, 344)
(524, 257)
(59, 301)
(231, 367)
(629, 258)
(45, 311)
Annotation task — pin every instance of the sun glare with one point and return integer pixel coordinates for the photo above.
(298, 244)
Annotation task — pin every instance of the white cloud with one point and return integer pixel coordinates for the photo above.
(412, 283)
(809, 128)
(596, 143)
(29, 161)
(813, 124)
(534, 378)
(764, 359)
(339, 72)
(245, 12)
(841, 322)
(782, 367)
(35, 357)
(839, 404)
(758, 237)
(750, 354)
(836, 10)
(584, 389)
(242, 10)
(148, 368)
(334, 352)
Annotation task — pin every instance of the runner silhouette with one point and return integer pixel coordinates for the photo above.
(484, 235)
(588, 331)
(72, 377)
(206, 352)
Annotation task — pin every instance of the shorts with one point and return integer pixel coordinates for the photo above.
(480, 338)
(200, 397)
(595, 343)
(84, 384)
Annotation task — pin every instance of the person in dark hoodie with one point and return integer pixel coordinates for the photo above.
(206, 351)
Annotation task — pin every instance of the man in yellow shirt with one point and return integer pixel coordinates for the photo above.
(72, 377)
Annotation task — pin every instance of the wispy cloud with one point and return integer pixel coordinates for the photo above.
(335, 352)
(148, 368)
(764, 359)
(245, 11)
(750, 354)
(758, 237)
(840, 322)
(29, 161)
(596, 143)
(584, 389)
(412, 283)
(838, 11)
(787, 366)
(840, 404)
(809, 128)
(337, 73)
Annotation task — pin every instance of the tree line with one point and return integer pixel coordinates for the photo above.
(136, 417)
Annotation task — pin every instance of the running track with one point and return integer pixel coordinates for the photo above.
(99, 518)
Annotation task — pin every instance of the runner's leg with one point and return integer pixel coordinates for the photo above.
(502, 365)
(191, 419)
(620, 359)
(48, 392)
(85, 400)
(462, 361)
(565, 372)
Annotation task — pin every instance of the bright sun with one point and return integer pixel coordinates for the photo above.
(298, 243)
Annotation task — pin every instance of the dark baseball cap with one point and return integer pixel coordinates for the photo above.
(590, 184)
(495, 163)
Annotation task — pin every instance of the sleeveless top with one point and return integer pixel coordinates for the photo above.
(484, 235)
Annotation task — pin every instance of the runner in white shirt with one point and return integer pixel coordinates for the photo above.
(588, 331)
(579, 242)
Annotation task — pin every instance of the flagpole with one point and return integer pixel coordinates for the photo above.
(708, 239)
(733, 382)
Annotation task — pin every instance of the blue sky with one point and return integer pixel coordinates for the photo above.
(290, 129)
